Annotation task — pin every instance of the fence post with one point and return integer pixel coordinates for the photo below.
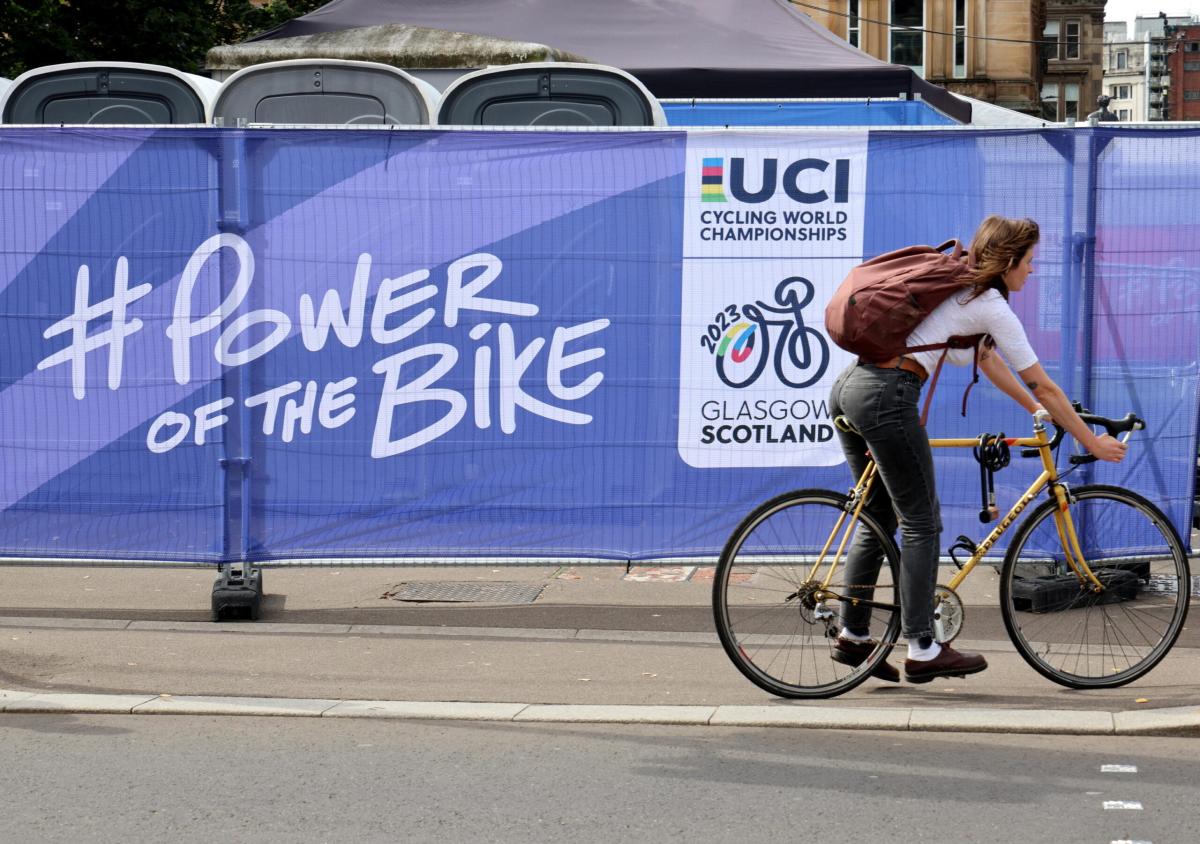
(1087, 247)
(1069, 301)
(238, 588)
(1097, 142)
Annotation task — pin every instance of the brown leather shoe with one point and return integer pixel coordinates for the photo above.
(849, 652)
(948, 663)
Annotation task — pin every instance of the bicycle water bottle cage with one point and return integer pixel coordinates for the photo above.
(963, 543)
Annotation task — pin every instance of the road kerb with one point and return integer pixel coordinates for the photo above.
(1057, 721)
(196, 705)
(425, 710)
(1176, 721)
(8, 697)
(617, 714)
(812, 717)
(79, 704)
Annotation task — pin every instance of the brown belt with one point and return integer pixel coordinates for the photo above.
(907, 364)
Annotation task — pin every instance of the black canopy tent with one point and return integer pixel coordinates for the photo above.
(677, 48)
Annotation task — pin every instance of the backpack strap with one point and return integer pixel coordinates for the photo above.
(933, 379)
(956, 342)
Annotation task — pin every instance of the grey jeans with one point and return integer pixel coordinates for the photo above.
(882, 405)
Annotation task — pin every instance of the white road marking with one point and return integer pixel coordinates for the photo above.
(1118, 769)
(1123, 804)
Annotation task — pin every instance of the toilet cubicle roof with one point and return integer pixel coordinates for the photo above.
(315, 91)
(132, 86)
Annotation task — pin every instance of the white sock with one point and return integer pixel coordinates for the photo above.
(853, 637)
(919, 654)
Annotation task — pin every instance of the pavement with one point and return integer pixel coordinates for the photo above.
(595, 644)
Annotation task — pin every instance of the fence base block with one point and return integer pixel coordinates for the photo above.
(237, 592)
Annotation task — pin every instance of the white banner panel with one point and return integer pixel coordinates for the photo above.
(772, 224)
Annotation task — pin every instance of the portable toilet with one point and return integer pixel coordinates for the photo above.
(107, 93)
(324, 91)
(549, 94)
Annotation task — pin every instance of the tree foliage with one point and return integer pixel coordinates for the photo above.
(177, 34)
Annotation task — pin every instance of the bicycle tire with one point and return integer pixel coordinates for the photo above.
(769, 632)
(1085, 639)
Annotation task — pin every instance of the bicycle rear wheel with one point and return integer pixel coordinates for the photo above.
(1070, 631)
(776, 622)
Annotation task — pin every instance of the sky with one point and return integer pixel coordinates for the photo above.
(1127, 10)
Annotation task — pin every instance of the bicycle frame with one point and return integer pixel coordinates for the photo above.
(1048, 478)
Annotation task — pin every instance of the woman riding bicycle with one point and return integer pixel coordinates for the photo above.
(880, 401)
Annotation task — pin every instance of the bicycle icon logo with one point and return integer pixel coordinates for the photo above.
(741, 339)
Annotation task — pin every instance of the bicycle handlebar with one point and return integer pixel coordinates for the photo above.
(1113, 427)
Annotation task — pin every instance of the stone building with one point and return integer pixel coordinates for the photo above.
(1073, 51)
(1125, 73)
(986, 49)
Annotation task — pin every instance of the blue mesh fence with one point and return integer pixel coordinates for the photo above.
(310, 344)
(804, 113)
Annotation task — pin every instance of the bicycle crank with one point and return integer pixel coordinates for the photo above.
(947, 614)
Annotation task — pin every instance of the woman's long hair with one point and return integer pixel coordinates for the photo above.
(998, 245)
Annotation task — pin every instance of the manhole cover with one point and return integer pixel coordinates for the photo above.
(495, 592)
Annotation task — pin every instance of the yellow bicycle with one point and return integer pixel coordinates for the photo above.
(1094, 587)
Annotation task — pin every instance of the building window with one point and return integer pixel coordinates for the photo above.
(1122, 92)
(1122, 59)
(1071, 41)
(908, 46)
(1050, 101)
(1192, 47)
(1122, 114)
(1050, 39)
(1191, 65)
(960, 39)
(852, 22)
(1191, 95)
(1071, 101)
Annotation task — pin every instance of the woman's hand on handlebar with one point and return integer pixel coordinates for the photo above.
(1108, 449)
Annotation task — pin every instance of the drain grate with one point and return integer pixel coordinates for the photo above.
(492, 592)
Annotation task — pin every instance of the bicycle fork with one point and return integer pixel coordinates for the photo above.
(1072, 551)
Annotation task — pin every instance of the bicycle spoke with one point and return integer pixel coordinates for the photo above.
(1080, 636)
(776, 622)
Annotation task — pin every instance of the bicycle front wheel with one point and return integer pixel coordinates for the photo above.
(1075, 632)
(778, 611)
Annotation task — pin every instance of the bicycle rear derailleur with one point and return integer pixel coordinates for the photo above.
(814, 608)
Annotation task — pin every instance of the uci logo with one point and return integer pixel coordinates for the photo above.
(834, 176)
(741, 339)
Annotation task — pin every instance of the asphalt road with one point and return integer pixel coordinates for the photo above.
(118, 778)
